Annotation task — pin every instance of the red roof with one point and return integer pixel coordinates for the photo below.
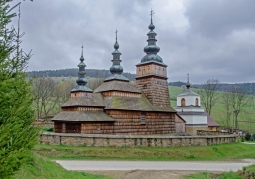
(210, 121)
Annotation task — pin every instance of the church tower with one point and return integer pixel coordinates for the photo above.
(151, 73)
(81, 90)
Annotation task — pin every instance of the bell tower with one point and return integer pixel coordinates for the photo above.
(151, 73)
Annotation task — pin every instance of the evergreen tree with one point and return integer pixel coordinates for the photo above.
(17, 135)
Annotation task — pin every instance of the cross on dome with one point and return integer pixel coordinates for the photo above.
(151, 14)
(116, 32)
(82, 50)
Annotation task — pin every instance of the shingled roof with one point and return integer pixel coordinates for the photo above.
(75, 116)
(116, 85)
(96, 100)
(210, 121)
(188, 92)
(137, 104)
(192, 113)
(116, 77)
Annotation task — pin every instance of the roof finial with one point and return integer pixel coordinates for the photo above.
(82, 58)
(116, 32)
(82, 50)
(151, 14)
(188, 84)
(116, 45)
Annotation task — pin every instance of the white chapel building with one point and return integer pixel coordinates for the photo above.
(189, 108)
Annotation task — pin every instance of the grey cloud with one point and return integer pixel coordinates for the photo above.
(218, 18)
(213, 40)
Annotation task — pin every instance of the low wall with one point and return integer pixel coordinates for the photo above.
(132, 141)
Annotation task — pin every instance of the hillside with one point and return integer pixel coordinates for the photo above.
(218, 113)
(40, 167)
(72, 72)
(248, 87)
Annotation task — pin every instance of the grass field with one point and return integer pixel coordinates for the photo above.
(218, 113)
(232, 151)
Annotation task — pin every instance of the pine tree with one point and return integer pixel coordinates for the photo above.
(17, 135)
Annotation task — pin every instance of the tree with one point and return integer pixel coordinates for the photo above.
(239, 100)
(45, 101)
(227, 103)
(93, 83)
(62, 91)
(207, 92)
(17, 135)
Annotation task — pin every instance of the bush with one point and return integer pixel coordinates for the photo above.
(247, 136)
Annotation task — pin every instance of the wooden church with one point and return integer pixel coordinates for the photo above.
(117, 106)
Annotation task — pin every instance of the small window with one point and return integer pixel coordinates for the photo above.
(196, 101)
(183, 102)
(143, 118)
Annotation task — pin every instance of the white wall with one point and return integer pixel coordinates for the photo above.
(194, 119)
(189, 100)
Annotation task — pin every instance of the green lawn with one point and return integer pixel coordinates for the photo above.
(224, 152)
(245, 173)
(42, 168)
(218, 111)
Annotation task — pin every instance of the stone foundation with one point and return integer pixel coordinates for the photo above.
(133, 141)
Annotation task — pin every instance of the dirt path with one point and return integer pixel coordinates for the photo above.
(145, 174)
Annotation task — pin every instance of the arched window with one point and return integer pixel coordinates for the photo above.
(183, 102)
(196, 101)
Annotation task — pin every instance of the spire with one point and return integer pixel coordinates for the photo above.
(116, 45)
(82, 58)
(188, 84)
(151, 26)
(116, 67)
(151, 49)
(81, 81)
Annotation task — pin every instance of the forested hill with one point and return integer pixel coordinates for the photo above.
(248, 87)
(72, 72)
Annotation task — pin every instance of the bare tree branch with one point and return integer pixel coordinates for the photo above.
(207, 93)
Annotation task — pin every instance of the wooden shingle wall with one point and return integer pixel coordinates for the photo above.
(155, 89)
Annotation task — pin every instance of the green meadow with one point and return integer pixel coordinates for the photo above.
(231, 151)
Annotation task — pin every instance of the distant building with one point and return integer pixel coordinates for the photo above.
(189, 108)
(212, 125)
(117, 106)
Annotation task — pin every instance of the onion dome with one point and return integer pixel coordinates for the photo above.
(151, 49)
(81, 81)
(116, 69)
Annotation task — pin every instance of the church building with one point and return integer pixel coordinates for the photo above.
(119, 107)
(189, 108)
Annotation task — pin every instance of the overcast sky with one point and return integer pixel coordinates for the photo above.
(205, 38)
